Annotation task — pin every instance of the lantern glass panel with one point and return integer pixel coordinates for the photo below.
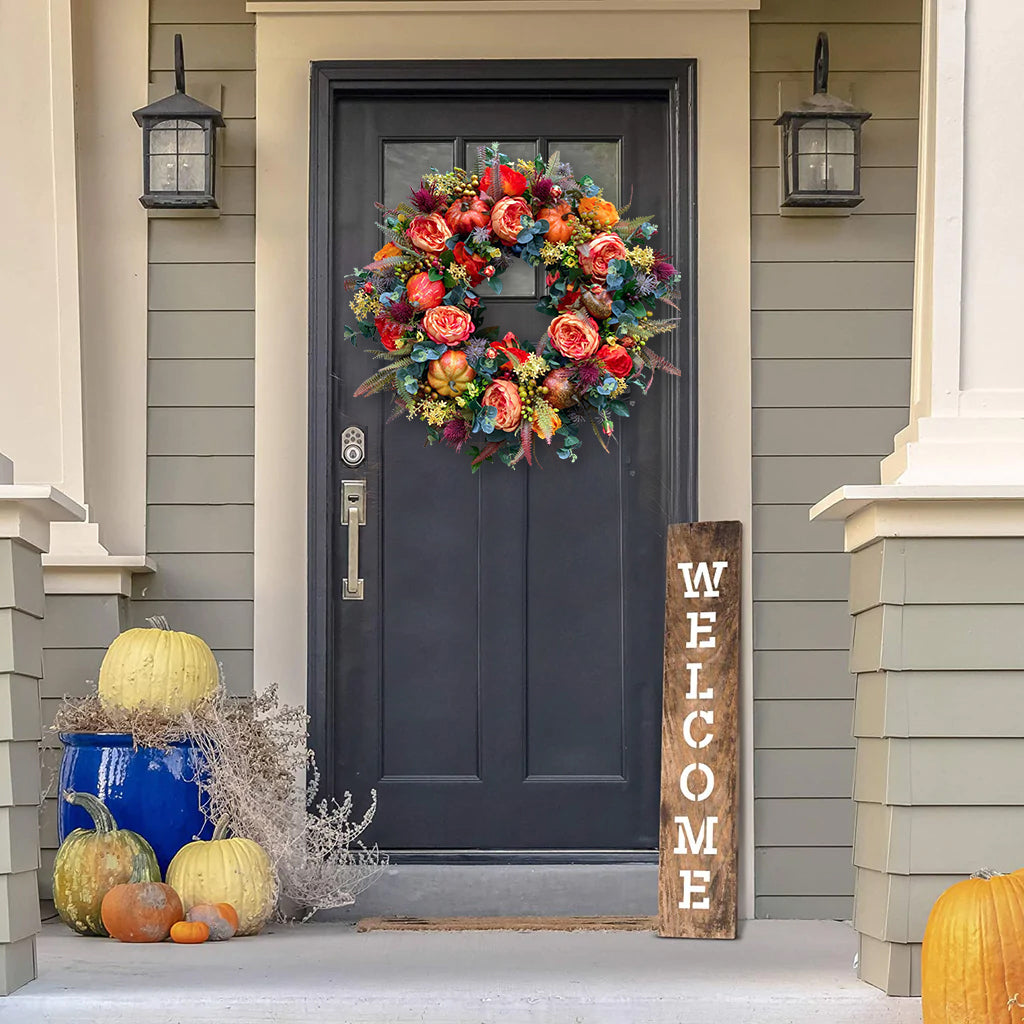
(177, 157)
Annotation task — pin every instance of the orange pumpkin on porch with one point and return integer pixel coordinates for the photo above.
(189, 933)
(139, 911)
(972, 961)
(560, 222)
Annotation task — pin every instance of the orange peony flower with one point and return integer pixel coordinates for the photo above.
(429, 232)
(596, 254)
(601, 210)
(575, 336)
(447, 325)
(503, 395)
(506, 217)
(389, 250)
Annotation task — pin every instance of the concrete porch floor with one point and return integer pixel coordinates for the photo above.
(778, 971)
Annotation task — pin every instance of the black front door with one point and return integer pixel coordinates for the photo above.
(499, 683)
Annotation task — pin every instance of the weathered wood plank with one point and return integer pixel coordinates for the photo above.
(854, 47)
(810, 822)
(194, 528)
(190, 480)
(208, 47)
(202, 334)
(808, 675)
(186, 286)
(832, 431)
(199, 431)
(804, 773)
(831, 334)
(831, 285)
(188, 383)
(698, 880)
(787, 528)
(801, 626)
(789, 479)
(803, 723)
(222, 239)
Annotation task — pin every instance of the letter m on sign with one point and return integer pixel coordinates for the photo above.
(702, 583)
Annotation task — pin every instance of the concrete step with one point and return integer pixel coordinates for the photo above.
(777, 971)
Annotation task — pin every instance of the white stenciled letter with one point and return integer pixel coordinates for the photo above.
(694, 883)
(709, 785)
(694, 692)
(696, 629)
(702, 578)
(708, 717)
(702, 843)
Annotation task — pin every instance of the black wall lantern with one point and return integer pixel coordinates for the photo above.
(178, 147)
(821, 145)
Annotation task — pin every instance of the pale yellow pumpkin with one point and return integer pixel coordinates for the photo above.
(236, 871)
(158, 668)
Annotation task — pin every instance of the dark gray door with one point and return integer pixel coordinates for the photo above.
(500, 682)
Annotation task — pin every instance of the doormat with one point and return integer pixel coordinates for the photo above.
(507, 924)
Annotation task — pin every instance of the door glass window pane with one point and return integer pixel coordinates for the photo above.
(406, 162)
(599, 159)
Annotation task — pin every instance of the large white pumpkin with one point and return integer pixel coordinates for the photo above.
(157, 668)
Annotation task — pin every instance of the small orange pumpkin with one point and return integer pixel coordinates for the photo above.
(450, 374)
(560, 222)
(604, 213)
(138, 911)
(189, 932)
(213, 915)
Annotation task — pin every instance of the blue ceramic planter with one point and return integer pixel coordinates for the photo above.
(150, 791)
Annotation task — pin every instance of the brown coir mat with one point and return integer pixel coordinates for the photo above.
(507, 924)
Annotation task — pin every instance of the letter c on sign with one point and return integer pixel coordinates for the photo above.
(684, 782)
(708, 718)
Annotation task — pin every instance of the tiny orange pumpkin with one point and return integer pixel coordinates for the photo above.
(560, 222)
(229, 913)
(189, 932)
(220, 925)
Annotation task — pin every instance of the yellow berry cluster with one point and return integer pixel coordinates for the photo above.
(530, 369)
(435, 412)
(365, 307)
(554, 252)
(641, 257)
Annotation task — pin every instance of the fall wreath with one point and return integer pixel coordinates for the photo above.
(459, 230)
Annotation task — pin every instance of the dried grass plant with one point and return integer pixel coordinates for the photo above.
(257, 758)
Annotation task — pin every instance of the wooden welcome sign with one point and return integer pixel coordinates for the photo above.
(697, 878)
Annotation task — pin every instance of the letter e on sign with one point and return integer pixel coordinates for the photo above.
(697, 877)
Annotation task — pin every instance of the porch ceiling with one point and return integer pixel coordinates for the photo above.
(777, 971)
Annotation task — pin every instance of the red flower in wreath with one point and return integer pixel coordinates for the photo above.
(448, 325)
(575, 336)
(471, 262)
(503, 395)
(424, 293)
(596, 254)
(616, 359)
(390, 332)
(429, 232)
(507, 217)
(512, 182)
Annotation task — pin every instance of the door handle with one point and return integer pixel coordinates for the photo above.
(353, 515)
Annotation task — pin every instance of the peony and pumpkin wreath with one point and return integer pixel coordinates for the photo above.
(458, 231)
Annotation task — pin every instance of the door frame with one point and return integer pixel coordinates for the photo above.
(671, 80)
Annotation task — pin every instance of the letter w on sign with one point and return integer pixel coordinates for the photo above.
(697, 879)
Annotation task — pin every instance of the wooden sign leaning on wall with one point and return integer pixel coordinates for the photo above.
(697, 878)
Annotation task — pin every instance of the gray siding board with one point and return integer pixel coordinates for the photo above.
(887, 190)
(238, 89)
(804, 908)
(817, 576)
(803, 675)
(796, 285)
(236, 671)
(788, 724)
(780, 528)
(182, 529)
(237, 188)
(199, 577)
(224, 625)
(239, 149)
(887, 94)
(862, 239)
(202, 286)
(887, 143)
(185, 12)
(808, 773)
(831, 334)
(801, 626)
(83, 621)
(221, 383)
(831, 383)
(792, 479)
(209, 431)
(209, 47)
(208, 480)
(803, 871)
(72, 671)
(982, 570)
(815, 12)
(828, 431)
(224, 239)
(863, 47)
(202, 334)
(806, 822)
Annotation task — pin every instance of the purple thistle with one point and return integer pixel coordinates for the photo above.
(663, 270)
(588, 374)
(543, 190)
(426, 200)
(455, 433)
(646, 284)
(401, 311)
(475, 348)
(481, 235)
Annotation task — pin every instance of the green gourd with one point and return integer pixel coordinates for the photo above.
(91, 862)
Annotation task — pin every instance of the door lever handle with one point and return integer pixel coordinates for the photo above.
(353, 515)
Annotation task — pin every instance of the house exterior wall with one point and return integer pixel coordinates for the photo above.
(830, 346)
(201, 330)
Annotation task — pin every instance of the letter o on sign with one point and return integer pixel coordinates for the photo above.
(684, 782)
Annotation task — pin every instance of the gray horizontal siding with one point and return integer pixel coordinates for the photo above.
(831, 334)
(201, 358)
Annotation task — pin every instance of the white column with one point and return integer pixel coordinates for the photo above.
(967, 401)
